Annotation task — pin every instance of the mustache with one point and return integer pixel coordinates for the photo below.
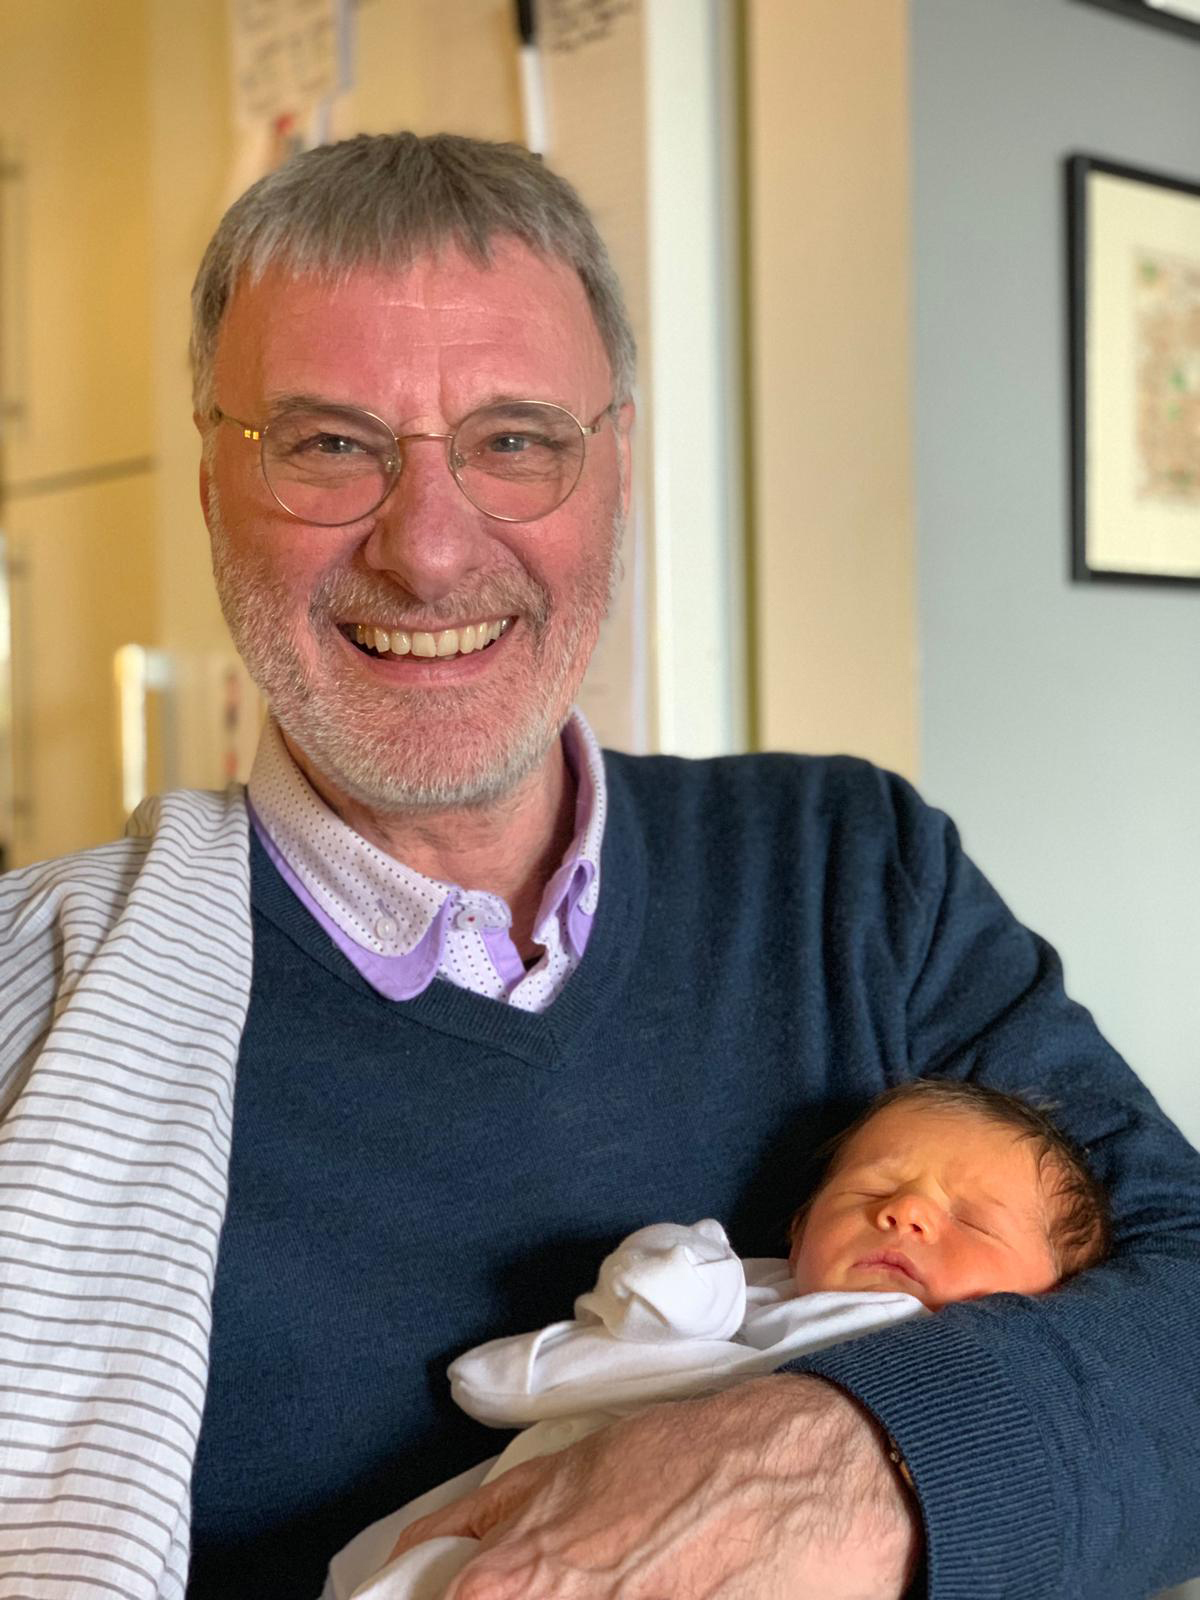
(388, 605)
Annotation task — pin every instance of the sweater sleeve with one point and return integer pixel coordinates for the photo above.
(1054, 1440)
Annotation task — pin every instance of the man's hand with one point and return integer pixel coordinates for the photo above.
(778, 1489)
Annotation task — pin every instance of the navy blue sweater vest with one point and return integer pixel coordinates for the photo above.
(777, 940)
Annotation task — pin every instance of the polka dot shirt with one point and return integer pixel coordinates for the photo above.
(402, 929)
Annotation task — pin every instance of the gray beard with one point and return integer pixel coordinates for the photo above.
(359, 752)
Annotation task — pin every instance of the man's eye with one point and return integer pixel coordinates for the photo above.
(329, 444)
(515, 444)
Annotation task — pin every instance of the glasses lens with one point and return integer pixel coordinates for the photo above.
(330, 464)
(520, 461)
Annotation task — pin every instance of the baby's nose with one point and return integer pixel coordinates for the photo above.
(908, 1213)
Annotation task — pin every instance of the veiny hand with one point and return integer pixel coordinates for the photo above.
(778, 1489)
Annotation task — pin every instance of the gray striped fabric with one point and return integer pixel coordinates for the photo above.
(125, 977)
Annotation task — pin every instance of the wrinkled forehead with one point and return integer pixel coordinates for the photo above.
(521, 321)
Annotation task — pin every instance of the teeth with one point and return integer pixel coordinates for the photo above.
(443, 644)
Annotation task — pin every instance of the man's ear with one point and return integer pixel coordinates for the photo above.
(623, 429)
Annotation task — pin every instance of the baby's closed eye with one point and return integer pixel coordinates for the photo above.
(975, 1225)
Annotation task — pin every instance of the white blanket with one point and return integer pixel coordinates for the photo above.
(125, 973)
(674, 1313)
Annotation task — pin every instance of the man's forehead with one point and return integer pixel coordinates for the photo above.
(447, 283)
(519, 313)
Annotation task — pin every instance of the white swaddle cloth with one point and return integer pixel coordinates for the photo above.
(674, 1313)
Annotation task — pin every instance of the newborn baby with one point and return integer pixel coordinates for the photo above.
(950, 1191)
(939, 1192)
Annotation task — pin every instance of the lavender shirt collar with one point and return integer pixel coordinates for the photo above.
(288, 816)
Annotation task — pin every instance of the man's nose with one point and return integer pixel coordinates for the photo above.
(426, 534)
(909, 1213)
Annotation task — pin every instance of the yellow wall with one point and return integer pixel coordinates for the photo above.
(444, 68)
(76, 339)
(191, 174)
(828, 284)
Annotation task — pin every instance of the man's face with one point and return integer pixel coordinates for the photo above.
(421, 349)
(937, 1203)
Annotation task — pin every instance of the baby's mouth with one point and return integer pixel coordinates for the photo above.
(894, 1260)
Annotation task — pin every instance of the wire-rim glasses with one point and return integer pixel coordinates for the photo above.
(330, 465)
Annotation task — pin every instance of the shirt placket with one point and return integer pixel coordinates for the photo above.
(480, 941)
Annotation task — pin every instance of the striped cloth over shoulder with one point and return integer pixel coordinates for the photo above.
(125, 977)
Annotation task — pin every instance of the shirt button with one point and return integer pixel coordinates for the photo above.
(385, 929)
(466, 918)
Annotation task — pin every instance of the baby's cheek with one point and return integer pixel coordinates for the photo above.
(814, 1265)
(800, 1267)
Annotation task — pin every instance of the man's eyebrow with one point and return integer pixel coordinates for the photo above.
(290, 401)
(520, 404)
(523, 399)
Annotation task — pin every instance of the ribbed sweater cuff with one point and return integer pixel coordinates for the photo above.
(993, 1527)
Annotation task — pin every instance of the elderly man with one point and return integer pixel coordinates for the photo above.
(493, 1000)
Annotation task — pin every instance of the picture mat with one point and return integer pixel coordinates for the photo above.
(1125, 531)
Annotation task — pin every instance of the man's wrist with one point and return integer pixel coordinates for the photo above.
(880, 1483)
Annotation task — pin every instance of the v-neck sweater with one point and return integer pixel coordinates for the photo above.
(410, 1178)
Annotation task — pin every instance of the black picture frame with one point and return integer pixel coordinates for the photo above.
(1139, 11)
(1135, 515)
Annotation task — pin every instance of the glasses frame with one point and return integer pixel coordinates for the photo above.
(454, 462)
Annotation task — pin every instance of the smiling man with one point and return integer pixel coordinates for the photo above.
(492, 522)
(310, 1087)
(424, 546)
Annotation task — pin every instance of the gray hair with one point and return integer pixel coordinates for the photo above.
(382, 200)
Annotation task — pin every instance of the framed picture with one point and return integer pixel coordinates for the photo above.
(1181, 16)
(1134, 252)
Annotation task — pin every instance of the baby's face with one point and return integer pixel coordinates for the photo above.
(937, 1203)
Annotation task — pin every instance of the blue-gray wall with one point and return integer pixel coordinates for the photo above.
(1060, 721)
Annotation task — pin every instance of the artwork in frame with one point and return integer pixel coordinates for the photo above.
(1134, 250)
(1180, 16)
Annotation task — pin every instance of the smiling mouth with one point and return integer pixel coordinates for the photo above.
(439, 644)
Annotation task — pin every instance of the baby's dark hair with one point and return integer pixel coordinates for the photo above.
(1078, 1213)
